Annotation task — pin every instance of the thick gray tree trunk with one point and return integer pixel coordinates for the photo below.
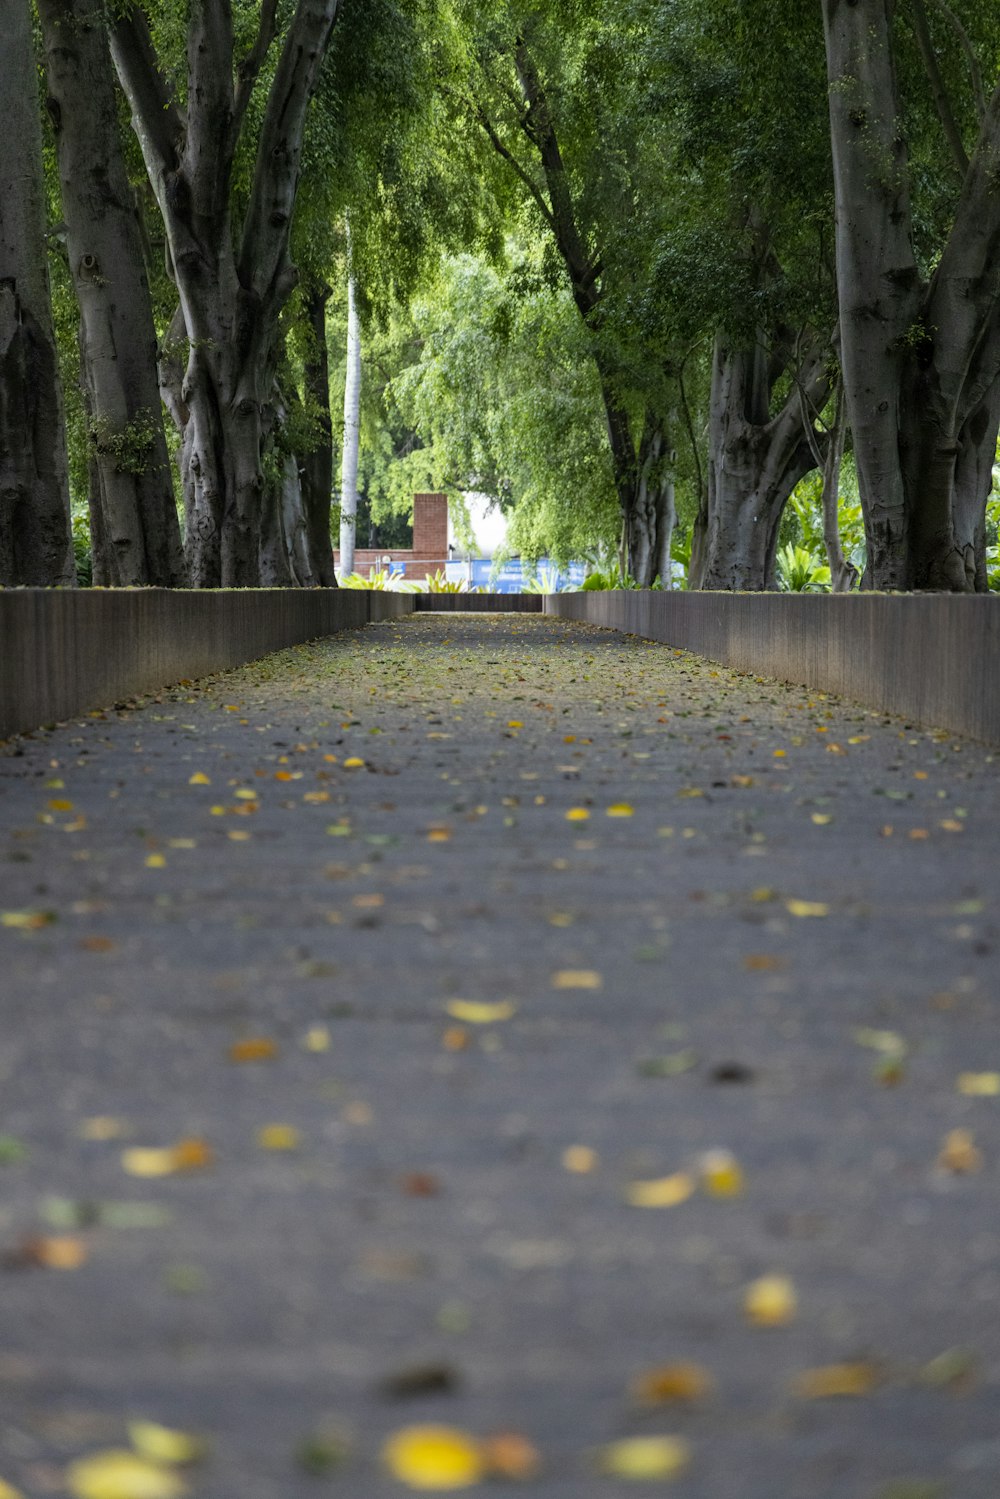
(139, 536)
(755, 461)
(232, 279)
(36, 545)
(919, 360)
(317, 465)
(352, 435)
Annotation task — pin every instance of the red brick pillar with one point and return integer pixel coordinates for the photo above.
(430, 527)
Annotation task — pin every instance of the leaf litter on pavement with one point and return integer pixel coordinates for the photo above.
(351, 831)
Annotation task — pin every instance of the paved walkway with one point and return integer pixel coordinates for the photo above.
(360, 1008)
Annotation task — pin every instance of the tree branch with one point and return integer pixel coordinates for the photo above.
(263, 259)
(965, 288)
(512, 161)
(975, 71)
(208, 151)
(158, 121)
(249, 68)
(538, 126)
(941, 100)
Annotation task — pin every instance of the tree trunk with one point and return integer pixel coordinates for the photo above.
(142, 542)
(649, 511)
(232, 282)
(754, 463)
(352, 434)
(843, 575)
(36, 544)
(914, 371)
(317, 466)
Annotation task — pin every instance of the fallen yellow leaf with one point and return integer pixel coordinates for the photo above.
(434, 1457)
(119, 1474)
(474, 1013)
(8, 1492)
(806, 908)
(155, 861)
(576, 978)
(671, 1382)
(577, 814)
(664, 1192)
(620, 809)
(770, 1301)
(835, 1381)
(821, 819)
(186, 1155)
(721, 1174)
(160, 1444)
(102, 1127)
(960, 1153)
(26, 921)
(278, 1137)
(645, 1458)
(199, 779)
(579, 1159)
(353, 763)
(979, 1084)
(889, 1042)
(317, 1038)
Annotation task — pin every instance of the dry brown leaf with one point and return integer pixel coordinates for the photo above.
(672, 1382)
(959, 1152)
(508, 1454)
(763, 962)
(253, 1049)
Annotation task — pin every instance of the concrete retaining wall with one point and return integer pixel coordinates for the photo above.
(932, 658)
(64, 653)
(481, 603)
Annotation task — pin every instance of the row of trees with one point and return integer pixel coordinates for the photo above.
(611, 263)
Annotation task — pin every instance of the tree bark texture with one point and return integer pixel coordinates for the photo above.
(755, 461)
(317, 465)
(919, 359)
(352, 434)
(140, 532)
(232, 279)
(36, 546)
